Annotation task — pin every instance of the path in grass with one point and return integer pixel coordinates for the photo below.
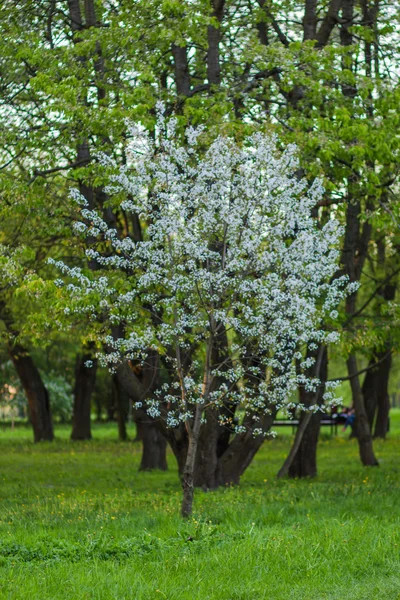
(78, 521)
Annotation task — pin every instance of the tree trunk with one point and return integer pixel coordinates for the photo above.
(213, 37)
(383, 401)
(361, 427)
(137, 386)
(213, 442)
(188, 471)
(85, 379)
(154, 454)
(304, 461)
(243, 448)
(36, 393)
(369, 392)
(121, 405)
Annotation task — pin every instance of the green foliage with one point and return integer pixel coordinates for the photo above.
(60, 392)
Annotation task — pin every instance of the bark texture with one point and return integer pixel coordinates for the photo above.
(138, 383)
(361, 425)
(120, 402)
(304, 463)
(85, 379)
(36, 393)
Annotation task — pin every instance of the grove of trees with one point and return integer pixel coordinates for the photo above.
(162, 247)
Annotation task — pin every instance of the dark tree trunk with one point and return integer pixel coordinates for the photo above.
(383, 401)
(181, 68)
(189, 468)
(241, 451)
(85, 379)
(212, 444)
(361, 426)
(220, 461)
(121, 406)
(138, 383)
(36, 393)
(310, 20)
(384, 365)
(139, 430)
(304, 463)
(369, 392)
(154, 454)
(214, 37)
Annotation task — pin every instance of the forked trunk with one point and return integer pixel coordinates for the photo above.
(304, 462)
(302, 458)
(138, 383)
(242, 449)
(36, 393)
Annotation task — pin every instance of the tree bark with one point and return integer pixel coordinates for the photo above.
(121, 406)
(188, 471)
(85, 379)
(137, 386)
(214, 36)
(304, 462)
(154, 444)
(383, 400)
(241, 451)
(310, 20)
(181, 68)
(328, 23)
(369, 392)
(361, 426)
(36, 392)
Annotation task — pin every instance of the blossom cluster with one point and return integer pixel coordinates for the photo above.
(230, 257)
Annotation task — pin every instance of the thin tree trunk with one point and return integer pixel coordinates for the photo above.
(85, 379)
(121, 405)
(188, 471)
(361, 426)
(36, 393)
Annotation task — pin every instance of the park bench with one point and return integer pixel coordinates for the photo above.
(325, 422)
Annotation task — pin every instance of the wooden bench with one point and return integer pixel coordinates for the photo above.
(332, 423)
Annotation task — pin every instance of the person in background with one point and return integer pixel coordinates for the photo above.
(350, 418)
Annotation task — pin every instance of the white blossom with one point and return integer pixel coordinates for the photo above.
(230, 245)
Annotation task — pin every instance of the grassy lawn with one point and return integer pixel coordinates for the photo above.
(78, 521)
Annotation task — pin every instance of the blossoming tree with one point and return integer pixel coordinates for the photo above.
(228, 288)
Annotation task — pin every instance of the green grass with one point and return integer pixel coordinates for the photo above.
(78, 521)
